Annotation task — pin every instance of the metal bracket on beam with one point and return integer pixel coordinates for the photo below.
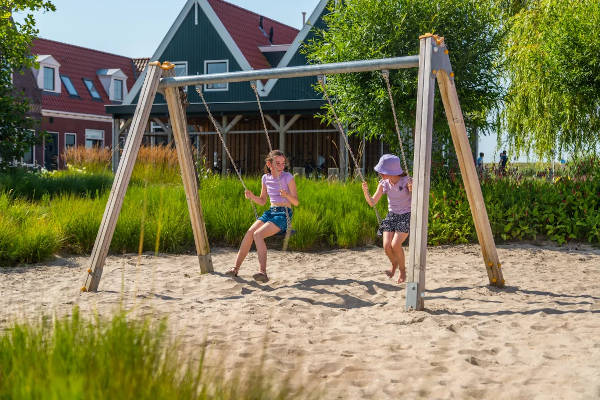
(440, 61)
(412, 295)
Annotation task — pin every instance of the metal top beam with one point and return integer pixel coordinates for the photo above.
(293, 72)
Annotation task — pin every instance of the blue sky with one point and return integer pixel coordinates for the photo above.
(134, 28)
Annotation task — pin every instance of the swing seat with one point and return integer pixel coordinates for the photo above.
(282, 233)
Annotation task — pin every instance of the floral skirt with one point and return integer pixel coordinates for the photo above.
(395, 223)
(276, 215)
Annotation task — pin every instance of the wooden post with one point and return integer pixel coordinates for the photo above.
(190, 179)
(116, 130)
(415, 286)
(282, 134)
(470, 179)
(223, 151)
(122, 176)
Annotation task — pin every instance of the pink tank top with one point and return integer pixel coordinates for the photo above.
(274, 185)
(399, 197)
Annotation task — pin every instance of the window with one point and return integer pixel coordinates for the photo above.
(180, 68)
(69, 85)
(49, 79)
(118, 90)
(92, 89)
(28, 157)
(70, 140)
(216, 67)
(94, 138)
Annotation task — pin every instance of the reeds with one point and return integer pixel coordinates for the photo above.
(120, 358)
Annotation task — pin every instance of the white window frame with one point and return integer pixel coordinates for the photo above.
(186, 70)
(95, 130)
(206, 88)
(114, 89)
(32, 156)
(70, 134)
(49, 62)
(53, 73)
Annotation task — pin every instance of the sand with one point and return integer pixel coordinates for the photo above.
(334, 319)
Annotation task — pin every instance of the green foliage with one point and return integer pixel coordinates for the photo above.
(553, 67)
(371, 29)
(330, 215)
(35, 185)
(119, 358)
(16, 135)
(27, 233)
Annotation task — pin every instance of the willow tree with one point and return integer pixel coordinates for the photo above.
(370, 29)
(553, 64)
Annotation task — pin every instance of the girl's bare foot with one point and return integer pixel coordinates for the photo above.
(402, 277)
(391, 272)
(233, 272)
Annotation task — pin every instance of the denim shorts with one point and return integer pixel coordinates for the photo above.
(277, 216)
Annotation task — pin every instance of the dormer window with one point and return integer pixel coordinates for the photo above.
(47, 76)
(49, 79)
(114, 82)
(92, 89)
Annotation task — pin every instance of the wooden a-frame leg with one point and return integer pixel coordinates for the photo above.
(417, 244)
(189, 176)
(470, 178)
(122, 177)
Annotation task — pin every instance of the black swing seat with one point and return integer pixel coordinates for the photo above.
(282, 233)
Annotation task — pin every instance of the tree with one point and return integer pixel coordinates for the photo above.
(16, 134)
(553, 70)
(370, 29)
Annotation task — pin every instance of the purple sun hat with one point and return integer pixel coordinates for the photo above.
(389, 164)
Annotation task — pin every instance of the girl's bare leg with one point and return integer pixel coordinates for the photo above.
(246, 244)
(268, 229)
(398, 239)
(389, 251)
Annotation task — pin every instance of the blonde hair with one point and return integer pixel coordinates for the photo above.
(271, 156)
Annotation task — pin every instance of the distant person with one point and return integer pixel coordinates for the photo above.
(502, 163)
(396, 226)
(479, 164)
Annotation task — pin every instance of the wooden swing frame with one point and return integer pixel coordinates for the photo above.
(433, 63)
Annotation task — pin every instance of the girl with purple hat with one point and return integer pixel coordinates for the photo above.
(280, 188)
(396, 225)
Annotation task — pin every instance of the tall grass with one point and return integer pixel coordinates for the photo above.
(34, 186)
(117, 359)
(95, 159)
(331, 214)
(157, 164)
(27, 232)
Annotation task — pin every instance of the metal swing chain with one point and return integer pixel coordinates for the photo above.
(339, 126)
(212, 119)
(386, 77)
(287, 215)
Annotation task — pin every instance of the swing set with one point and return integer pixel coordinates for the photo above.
(433, 63)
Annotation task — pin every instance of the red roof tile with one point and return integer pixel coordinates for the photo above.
(243, 26)
(78, 63)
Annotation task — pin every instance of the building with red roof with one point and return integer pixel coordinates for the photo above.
(76, 83)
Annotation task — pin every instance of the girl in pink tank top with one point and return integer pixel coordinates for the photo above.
(280, 188)
(396, 225)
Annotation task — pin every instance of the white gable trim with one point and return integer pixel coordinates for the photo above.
(160, 50)
(295, 46)
(221, 31)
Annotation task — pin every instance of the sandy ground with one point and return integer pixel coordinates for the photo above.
(335, 319)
